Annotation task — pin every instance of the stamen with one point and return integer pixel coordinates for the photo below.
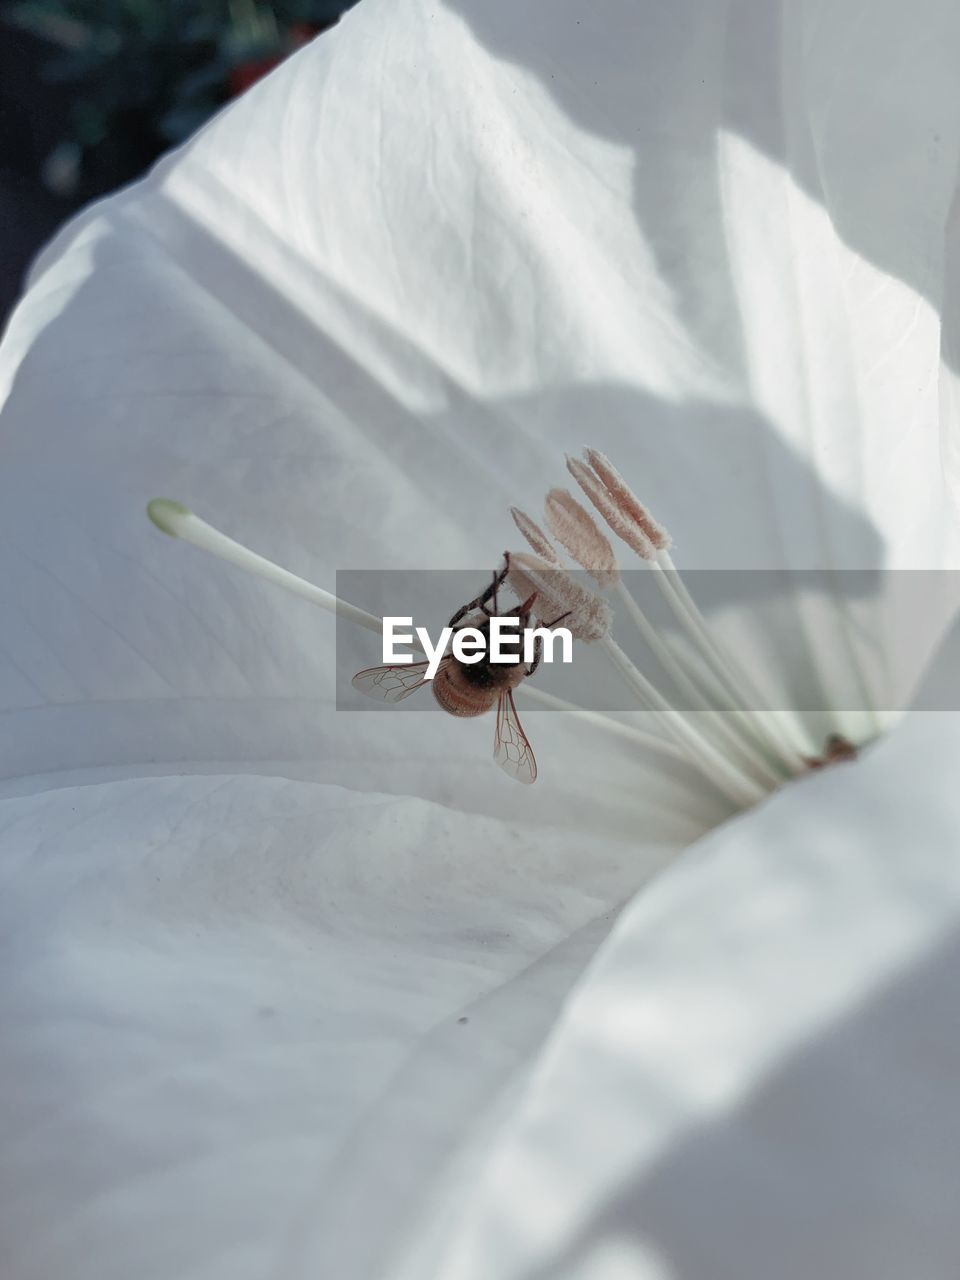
(725, 675)
(576, 530)
(588, 615)
(754, 760)
(766, 747)
(631, 521)
(589, 619)
(650, 741)
(620, 522)
(725, 775)
(535, 537)
(626, 499)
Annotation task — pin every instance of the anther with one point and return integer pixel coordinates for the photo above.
(588, 615)
(626, 500)
(619, 522)
(577, 531)
(535, 537)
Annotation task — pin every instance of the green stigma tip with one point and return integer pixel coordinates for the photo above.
(165, 514)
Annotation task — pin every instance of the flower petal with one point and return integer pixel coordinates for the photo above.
(765, 1042)
(234, 1003)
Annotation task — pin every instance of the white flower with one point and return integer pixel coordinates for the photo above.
(352, 322)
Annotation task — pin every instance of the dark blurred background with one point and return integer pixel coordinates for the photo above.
(92, 91)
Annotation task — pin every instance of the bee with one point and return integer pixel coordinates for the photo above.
(471, 689)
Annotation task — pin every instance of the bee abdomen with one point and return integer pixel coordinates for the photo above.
(459, 697)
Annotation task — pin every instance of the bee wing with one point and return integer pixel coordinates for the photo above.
(391, 684)
(512, 750)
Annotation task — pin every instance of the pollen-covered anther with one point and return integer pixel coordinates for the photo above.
(622, 510)
(626, 499)
(577, 531)
(588, 616)
(535, 537)
(625, 529)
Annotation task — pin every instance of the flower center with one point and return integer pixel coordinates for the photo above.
(743, 752)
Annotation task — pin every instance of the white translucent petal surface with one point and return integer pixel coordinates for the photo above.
(756, 1076)
(376, 299)
(240, 1012)
(365, 310)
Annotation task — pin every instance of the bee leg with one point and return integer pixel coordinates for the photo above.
(498, 580)
(491, 609)
(537, 655)
(481, 601)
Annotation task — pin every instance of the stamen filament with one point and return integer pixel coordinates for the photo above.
(735, 683)
(601, 721)
(728, 777)
(749, 755)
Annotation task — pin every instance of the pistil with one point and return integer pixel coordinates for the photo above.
(178, 521)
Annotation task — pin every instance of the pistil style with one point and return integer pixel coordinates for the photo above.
(178, 521)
